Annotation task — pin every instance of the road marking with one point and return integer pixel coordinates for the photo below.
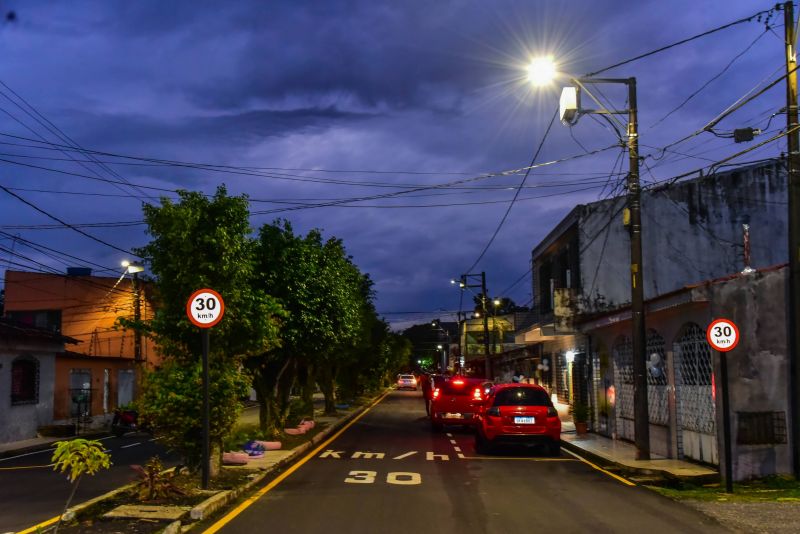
(151, 439)
(461, 456)
(449, 435)
(406, 455)
(361, 477)
(330, 453)
(453, 442)
(131, 445)
(457, 449)
(431, 456)
(612, 475)
(40, 526)
(26, 454)
(368, 455)
(524, 458)
(263, 491)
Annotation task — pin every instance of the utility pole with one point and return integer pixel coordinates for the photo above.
(488, 370)
(639, 341)
(137, 317)
(793, 139)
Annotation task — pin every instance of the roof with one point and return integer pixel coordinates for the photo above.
(13, 328)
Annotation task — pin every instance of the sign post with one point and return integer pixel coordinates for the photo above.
(723, 336)
(205, 308)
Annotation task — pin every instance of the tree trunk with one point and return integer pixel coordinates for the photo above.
(327, 383)
(69, 500)
(265, 382)
(283, 393)
(305, 374)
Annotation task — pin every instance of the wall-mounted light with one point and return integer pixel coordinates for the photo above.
(570, 355)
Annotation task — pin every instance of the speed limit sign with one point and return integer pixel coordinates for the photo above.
(722, 335)
(205, 308)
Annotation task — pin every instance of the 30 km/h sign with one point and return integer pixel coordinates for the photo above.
(205, 308)
(722, 335)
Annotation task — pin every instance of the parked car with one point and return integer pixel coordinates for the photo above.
(455, 401)
(518, 414)
(406, 382)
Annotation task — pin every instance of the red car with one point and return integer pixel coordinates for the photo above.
(518, 414)
(455, 401)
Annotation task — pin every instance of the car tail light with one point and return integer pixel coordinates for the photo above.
(551, 411)
(476, 395)
(458, 382)
(436, 393)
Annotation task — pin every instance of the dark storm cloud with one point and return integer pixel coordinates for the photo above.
(363, 85)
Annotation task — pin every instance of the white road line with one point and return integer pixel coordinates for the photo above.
(26, 454)
(449, 435)
(406, 455)
(151, 439)
(461, 456)
(105, 438)
(457, 449)
(131, 445)
(453, 442)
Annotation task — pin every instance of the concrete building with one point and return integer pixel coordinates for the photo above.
(692, 232)
(27, 377)
(100, 373)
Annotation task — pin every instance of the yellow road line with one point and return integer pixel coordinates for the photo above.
(260, 493)
(609, 473)
(25, 467)
(520, 458)
(43, 524)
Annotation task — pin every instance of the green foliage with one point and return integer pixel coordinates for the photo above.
(580, 412)
(154, 482)
(80, 456)
(172, 402)
(203, 242)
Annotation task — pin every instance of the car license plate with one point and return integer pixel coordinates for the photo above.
(452, 415)
(524, 420)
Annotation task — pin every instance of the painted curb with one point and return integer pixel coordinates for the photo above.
(634, 471)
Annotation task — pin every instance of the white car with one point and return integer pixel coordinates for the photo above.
(406, 381)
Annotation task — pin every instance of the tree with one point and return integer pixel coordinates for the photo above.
(325, 296)
(78, 457)
(196, 243)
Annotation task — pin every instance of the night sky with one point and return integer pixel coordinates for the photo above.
(401, 113)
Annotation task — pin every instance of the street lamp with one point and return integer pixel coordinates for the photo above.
(135, 268)
(570, 110)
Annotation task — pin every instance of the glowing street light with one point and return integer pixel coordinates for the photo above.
(542, 71)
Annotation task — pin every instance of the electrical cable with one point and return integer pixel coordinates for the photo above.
(516, 194)
(86, 234)
(684, 41)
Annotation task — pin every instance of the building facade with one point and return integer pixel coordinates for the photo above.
(100, 372)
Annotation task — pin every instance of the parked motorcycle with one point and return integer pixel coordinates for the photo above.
(124, 421)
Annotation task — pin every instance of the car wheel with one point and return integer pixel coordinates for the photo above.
(482, 445)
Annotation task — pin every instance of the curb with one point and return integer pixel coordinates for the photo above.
(206, 509)
(633, 471)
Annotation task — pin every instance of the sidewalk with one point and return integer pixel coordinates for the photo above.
(621, 455)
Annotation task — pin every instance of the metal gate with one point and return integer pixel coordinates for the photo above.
(694, 396)
(623, 385)
(657, 399)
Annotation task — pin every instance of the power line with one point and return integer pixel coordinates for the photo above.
(684, 41)
(516, 194)
(49, 215)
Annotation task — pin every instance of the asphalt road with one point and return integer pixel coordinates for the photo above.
(389, 473)
(31, 495)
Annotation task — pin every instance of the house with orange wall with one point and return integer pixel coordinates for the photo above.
(101, 371)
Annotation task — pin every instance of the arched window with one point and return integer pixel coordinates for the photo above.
(25, 381)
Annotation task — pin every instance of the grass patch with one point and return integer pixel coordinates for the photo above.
(768, 489)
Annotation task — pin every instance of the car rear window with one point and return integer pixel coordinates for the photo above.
(406, 377)
(521, 397)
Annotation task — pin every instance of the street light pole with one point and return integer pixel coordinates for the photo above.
(570, 110)
(488, 368)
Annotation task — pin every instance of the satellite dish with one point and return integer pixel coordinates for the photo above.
(569, 105)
